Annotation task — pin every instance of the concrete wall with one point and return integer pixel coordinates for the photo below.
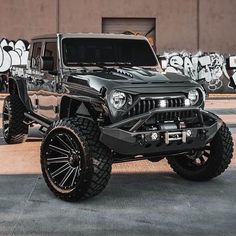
(27, 18)
(217, 25)
(177, 21)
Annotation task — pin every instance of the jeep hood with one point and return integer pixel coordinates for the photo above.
(134, 80)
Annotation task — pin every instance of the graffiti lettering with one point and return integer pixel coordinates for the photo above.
(208, 67)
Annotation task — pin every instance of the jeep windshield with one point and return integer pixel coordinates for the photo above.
(110, 52)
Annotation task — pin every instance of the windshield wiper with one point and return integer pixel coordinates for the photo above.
(79, 64)
(115, 64)
(123, 63)
(101, 65)
(85, 65)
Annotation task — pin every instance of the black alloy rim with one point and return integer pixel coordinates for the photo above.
(197, 160)
(63, 159)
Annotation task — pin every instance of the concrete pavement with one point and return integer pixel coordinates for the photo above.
(142, 198)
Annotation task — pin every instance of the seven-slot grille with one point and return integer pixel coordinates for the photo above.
(147, 104)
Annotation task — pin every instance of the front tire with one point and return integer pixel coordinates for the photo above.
(74, 163)
(208, 163)
(14, 128)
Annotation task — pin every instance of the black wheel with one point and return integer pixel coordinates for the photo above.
(14, 129)
(74, 163)
(208, 163)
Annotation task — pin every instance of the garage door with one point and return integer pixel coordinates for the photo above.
(143, 26)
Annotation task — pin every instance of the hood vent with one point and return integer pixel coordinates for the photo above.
(123, 72)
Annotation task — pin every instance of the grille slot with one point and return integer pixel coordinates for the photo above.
(171, 115)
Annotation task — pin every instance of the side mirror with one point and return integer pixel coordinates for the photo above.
(47, 63)
(163, 61)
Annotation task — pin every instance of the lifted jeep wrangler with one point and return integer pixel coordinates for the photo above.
(102, 98)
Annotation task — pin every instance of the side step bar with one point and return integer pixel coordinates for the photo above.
(38, 119)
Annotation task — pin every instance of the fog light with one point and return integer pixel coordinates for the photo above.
(154, 136)
(187, 102)
(189, 133)
(163, 103)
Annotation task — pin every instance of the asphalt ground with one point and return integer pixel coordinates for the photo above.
(142, 198)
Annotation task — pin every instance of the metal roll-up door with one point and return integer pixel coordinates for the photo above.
(143, 26)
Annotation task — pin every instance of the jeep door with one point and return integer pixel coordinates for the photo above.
(33, 77)
(47, 93)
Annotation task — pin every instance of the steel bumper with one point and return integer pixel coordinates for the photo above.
(161, 142)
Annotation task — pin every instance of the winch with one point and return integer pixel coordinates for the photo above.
(168, 126)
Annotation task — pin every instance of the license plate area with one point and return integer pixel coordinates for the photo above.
(175, 136)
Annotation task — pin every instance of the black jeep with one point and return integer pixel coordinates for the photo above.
(102, 98)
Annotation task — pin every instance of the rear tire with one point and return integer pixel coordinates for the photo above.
(14, 129)
(74, 163)
(209, 163)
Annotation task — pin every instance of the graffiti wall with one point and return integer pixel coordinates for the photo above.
(214, 70)
(13, 53)
(217, 72)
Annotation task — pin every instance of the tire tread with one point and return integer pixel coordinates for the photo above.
(218, 165)
(98, 165)
(18, 131)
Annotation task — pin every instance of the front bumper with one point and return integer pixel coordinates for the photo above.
(167, 142)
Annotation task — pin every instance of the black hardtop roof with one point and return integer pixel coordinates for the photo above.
(88, 35)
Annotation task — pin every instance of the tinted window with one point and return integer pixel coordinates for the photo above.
(51, 51)
(36, 55)
(95, 50)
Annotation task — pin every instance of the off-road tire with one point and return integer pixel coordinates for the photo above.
(95, 159)
(14, 129)
(221, 153)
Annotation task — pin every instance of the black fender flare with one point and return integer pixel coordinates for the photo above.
(17, 85)
(70, 103)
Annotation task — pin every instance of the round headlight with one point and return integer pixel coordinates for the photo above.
(118, 99)
(193, 96)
